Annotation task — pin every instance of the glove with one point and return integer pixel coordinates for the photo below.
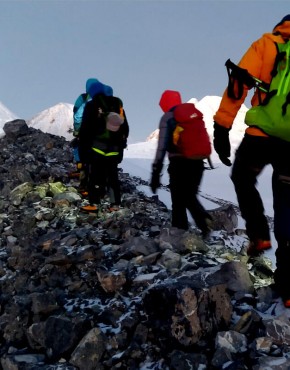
(155, 177)
(221, 143)
(124, 143)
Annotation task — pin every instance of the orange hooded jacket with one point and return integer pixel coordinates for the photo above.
(259, 62)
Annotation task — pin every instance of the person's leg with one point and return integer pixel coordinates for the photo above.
(84, 178)
(251, 157)
(201, 217)
(113, 182)
(281, 203)
(97, 179)
(176, 180)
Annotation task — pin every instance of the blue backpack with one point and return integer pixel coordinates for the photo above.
(93, 87)
(78, 111)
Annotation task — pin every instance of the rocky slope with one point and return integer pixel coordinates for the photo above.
(122, 290)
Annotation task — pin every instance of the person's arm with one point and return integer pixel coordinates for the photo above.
(85, 133)
(163, 139)
(162, 146)
(252, 61)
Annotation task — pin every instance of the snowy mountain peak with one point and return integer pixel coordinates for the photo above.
(56, 120)
(153, 135)
(208, 106)
(5, 116)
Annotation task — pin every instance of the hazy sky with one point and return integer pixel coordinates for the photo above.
(49, 48)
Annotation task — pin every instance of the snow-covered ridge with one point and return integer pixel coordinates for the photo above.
(58, 119)
(208, 106)
(5, 116)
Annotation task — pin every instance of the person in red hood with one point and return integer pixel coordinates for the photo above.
(185, 174)
(257, 150)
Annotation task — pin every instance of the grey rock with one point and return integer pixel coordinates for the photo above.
(232, 341)
(122, 290)
(88, 352)
(15, 128)
(278, 329)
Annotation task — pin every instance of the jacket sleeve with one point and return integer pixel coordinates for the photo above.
(86, 133)
(229, 107)
(125, 127)
(78, 116)
(163, 139)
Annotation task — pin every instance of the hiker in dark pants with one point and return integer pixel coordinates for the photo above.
(103, 175)
(93, 88)
(185, 177)
(102, 140)
(259, 148)
(185, 174)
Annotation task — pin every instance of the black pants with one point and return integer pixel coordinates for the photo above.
(184, 179)
(103, 175)
(84, 177)
(253, 154)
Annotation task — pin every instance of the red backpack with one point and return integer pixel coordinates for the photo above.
(190, 135)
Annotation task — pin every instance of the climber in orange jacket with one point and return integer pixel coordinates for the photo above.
(257, 150)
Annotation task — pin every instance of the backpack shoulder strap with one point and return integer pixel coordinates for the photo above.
(281, 64)
(238, 77)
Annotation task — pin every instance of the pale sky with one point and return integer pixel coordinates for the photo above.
(49, 48)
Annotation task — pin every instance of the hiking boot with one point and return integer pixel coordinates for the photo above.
(114, 208)
(84, 193)
(257, 247)
(74, 175)
(280, 291)
(205, 231)
(90, 208)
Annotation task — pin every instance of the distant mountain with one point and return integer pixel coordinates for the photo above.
(57, 120)
(5, 116)
(209, 105)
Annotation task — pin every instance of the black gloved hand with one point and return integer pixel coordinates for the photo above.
(124, 144)
(221, 143)
(155, 177)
